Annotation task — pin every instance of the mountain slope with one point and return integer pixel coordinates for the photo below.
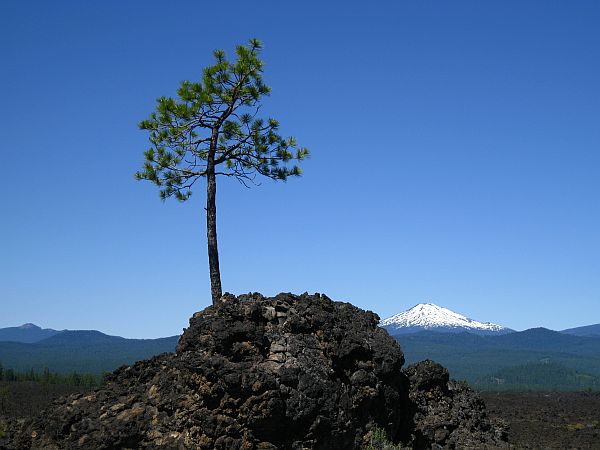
(27, 333)
(589, 330)
(468, 356)
(81, 351)
(542, 339)
(82, 337)
(427, 316)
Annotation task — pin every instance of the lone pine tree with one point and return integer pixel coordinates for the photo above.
(213, 129)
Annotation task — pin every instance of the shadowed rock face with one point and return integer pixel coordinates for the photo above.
(447, 414)
(288, 372)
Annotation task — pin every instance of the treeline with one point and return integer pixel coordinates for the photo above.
(47, 377)
(540, 376)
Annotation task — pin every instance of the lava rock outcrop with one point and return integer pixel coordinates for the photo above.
(446, 414)
(288, 372)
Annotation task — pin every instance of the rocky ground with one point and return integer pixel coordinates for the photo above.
(288, 372)
(548, 420)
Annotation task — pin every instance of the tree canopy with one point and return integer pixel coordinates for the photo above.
(213, 128)
(215, 120)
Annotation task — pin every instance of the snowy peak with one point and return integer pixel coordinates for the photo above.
(427, 316)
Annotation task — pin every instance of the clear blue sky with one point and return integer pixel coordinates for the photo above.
(455, 159)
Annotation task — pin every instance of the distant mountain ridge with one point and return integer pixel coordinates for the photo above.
(26, 333)
(30, 333)
(81, 337)
(475, 358)
(83, 351)
(431, 317)
(588, 330)
(479, 352)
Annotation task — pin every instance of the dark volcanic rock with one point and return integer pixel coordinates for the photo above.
(252, 373)
(289, 372)
(447, 414)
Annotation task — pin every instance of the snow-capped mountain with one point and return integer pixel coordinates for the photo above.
(427, 316)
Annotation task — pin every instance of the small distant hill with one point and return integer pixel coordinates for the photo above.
(27, 333)
(543, 339)
(588, 330)
(82, 337)
(83, 351)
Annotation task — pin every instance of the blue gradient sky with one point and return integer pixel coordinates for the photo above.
(455, 159)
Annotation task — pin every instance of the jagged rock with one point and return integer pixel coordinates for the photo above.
(252, 373)
(447, 414)
(288, 372)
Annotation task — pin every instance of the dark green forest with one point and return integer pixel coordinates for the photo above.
(81, 352)
(536, 359)
(45, 376)
(544, 376)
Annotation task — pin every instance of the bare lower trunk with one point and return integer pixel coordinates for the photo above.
(211, 234)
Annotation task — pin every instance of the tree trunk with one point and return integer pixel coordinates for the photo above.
(211, 231)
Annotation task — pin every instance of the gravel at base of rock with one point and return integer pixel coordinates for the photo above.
(288, 372)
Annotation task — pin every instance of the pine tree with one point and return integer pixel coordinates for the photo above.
(213, 129)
